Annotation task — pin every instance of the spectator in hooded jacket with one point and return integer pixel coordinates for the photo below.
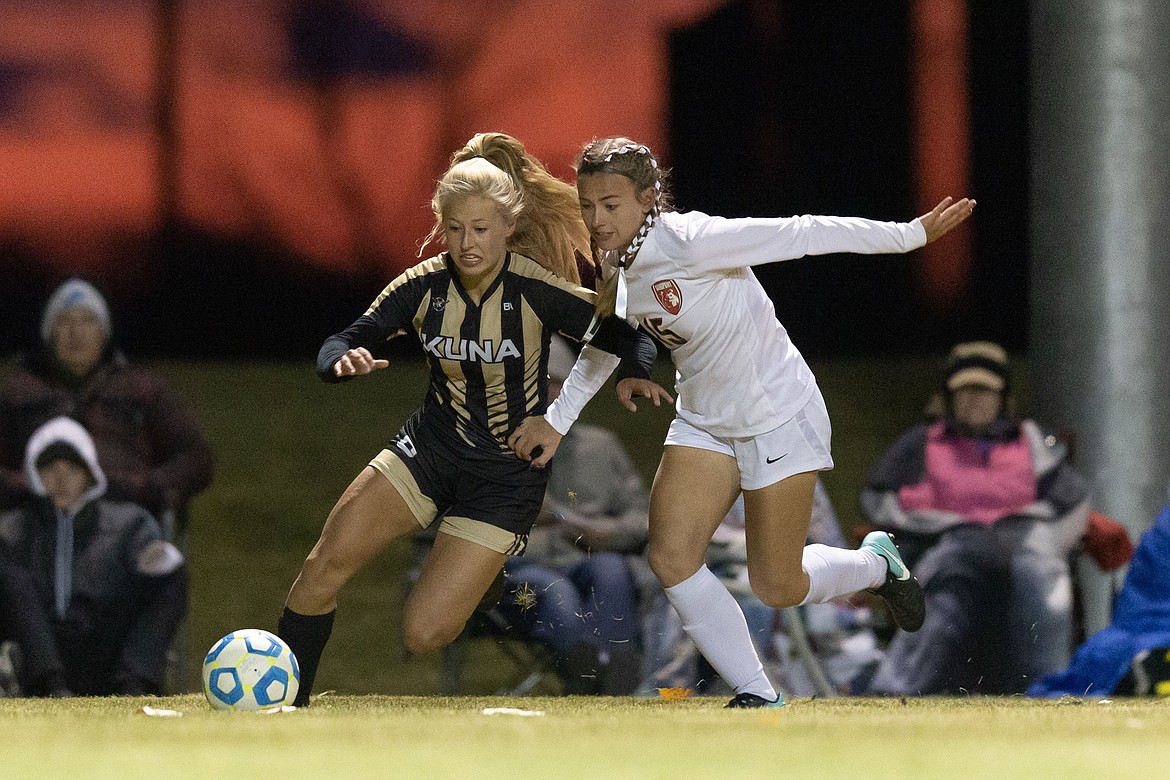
(149, 443)
(578, 585)
(90, 593)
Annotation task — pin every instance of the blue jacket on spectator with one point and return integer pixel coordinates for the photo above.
(1141, 621)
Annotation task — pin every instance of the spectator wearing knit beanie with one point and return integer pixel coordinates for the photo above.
(148, 439)
(76, 326)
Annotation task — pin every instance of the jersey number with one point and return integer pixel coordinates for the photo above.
(404, 443)
(669, 339)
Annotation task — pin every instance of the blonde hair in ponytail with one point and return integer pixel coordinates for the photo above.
(474, 178)
(548, 227)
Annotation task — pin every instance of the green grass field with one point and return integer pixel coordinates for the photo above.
(443, 737)
(287, 445)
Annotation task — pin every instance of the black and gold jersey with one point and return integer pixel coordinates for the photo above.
(488, 361)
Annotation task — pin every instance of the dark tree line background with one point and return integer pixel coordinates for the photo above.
(777, 108)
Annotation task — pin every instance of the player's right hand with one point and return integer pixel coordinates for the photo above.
(535, 441)
(356, 362)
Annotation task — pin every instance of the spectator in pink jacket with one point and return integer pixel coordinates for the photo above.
(987, 510)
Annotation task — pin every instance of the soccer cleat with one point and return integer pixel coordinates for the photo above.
(743, 701)
(901, 590)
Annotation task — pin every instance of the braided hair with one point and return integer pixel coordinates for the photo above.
(637, 163)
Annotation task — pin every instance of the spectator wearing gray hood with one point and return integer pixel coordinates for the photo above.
(148, 440)
(89, 591)
(577, 587)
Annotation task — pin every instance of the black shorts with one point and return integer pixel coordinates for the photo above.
(492, 487)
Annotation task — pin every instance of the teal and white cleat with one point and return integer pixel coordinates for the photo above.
(743, 701)
(901, 590)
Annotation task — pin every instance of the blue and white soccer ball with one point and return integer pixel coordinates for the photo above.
(250, 669)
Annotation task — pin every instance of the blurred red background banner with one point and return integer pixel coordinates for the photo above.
(317, 125)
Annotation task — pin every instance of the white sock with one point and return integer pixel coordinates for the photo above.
(712, 618)
(834, 572)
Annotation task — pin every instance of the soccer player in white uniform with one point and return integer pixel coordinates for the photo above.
(750, 416)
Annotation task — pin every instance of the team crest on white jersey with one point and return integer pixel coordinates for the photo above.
(668, 295)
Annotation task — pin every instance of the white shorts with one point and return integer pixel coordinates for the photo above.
(797, 446)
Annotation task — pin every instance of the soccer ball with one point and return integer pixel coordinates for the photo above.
(250, 669)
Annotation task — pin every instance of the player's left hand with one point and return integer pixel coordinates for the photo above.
(631, 387)
(948, 214)
(535, 441)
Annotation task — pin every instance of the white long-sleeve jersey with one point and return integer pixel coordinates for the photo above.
(691, 286)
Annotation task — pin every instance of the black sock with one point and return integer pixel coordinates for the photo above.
(306, 636)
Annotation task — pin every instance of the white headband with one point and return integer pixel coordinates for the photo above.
(638, 149)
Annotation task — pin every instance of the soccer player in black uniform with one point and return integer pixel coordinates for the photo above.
(484, 315)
